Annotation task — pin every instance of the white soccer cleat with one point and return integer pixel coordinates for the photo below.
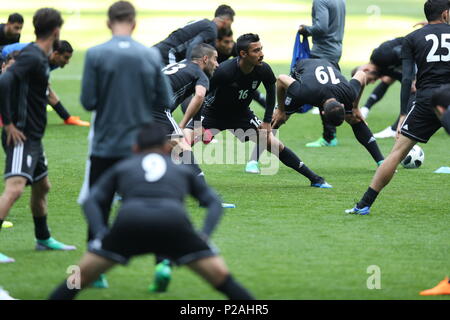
(252, 167)
(364, 112)
(4, 295)
(386, 133)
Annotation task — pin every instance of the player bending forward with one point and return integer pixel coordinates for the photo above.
(318, 82)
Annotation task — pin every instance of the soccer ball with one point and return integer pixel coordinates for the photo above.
(414, 159)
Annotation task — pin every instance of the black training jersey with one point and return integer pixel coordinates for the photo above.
(319, 81)
(388, 58)
(181, 41)
(148, 180)
(30, 72)
(153, 176)
(429, 48)
(231, 91)
(184, 76)
(4, 40)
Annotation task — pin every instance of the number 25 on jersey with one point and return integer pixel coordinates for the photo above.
(445, 43)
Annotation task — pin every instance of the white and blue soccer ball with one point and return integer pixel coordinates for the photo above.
(414, 159)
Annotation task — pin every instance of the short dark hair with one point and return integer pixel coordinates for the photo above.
(434, 8)
(222, 33)
(45, 21)
(151, 135)
(243, 42)
(121, 11)
(334, 112)
(224, 10)
(62, 46)
(441, 97)
(12, 56)
(201, 50)
(15, 18)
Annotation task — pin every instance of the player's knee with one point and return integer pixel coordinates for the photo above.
(43, 186)
(351, 120)
(13, 193)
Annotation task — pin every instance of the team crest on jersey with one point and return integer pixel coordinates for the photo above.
(288, 101)
(254, 85)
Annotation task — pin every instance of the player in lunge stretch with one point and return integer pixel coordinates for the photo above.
(428, 49)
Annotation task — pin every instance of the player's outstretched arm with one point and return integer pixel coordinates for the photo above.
(208, 198)
(194, 105)
(362, 78)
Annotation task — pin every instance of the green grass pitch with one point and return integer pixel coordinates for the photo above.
(284, 240)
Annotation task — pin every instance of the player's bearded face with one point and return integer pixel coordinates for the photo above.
(211, 64)
(14, 29)
(255, 54)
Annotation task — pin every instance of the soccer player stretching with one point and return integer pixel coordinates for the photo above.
(23, 92)
(428, 48)
(152, 218)
(231, 92)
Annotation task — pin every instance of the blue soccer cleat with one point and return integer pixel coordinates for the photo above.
(321, 184)
(362, 212)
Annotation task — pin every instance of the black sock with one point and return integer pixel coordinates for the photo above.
(368, 198)
(366, 138)
(40, 228)
(61, 111)
(377, 94)
(63, 292)
(1, 222)
(290, 159)
(233, 290)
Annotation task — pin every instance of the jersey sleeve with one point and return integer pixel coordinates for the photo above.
(202, 80)
(269, 81)
(89, 84)
(98, 199)
(321, 19)
(208, 35)
(407, 56)
(208, 198)
(219, 78)
(407, 52)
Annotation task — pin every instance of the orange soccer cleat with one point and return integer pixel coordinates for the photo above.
(443, 287)
(75, 121)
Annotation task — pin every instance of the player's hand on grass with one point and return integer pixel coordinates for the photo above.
(14, 135)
